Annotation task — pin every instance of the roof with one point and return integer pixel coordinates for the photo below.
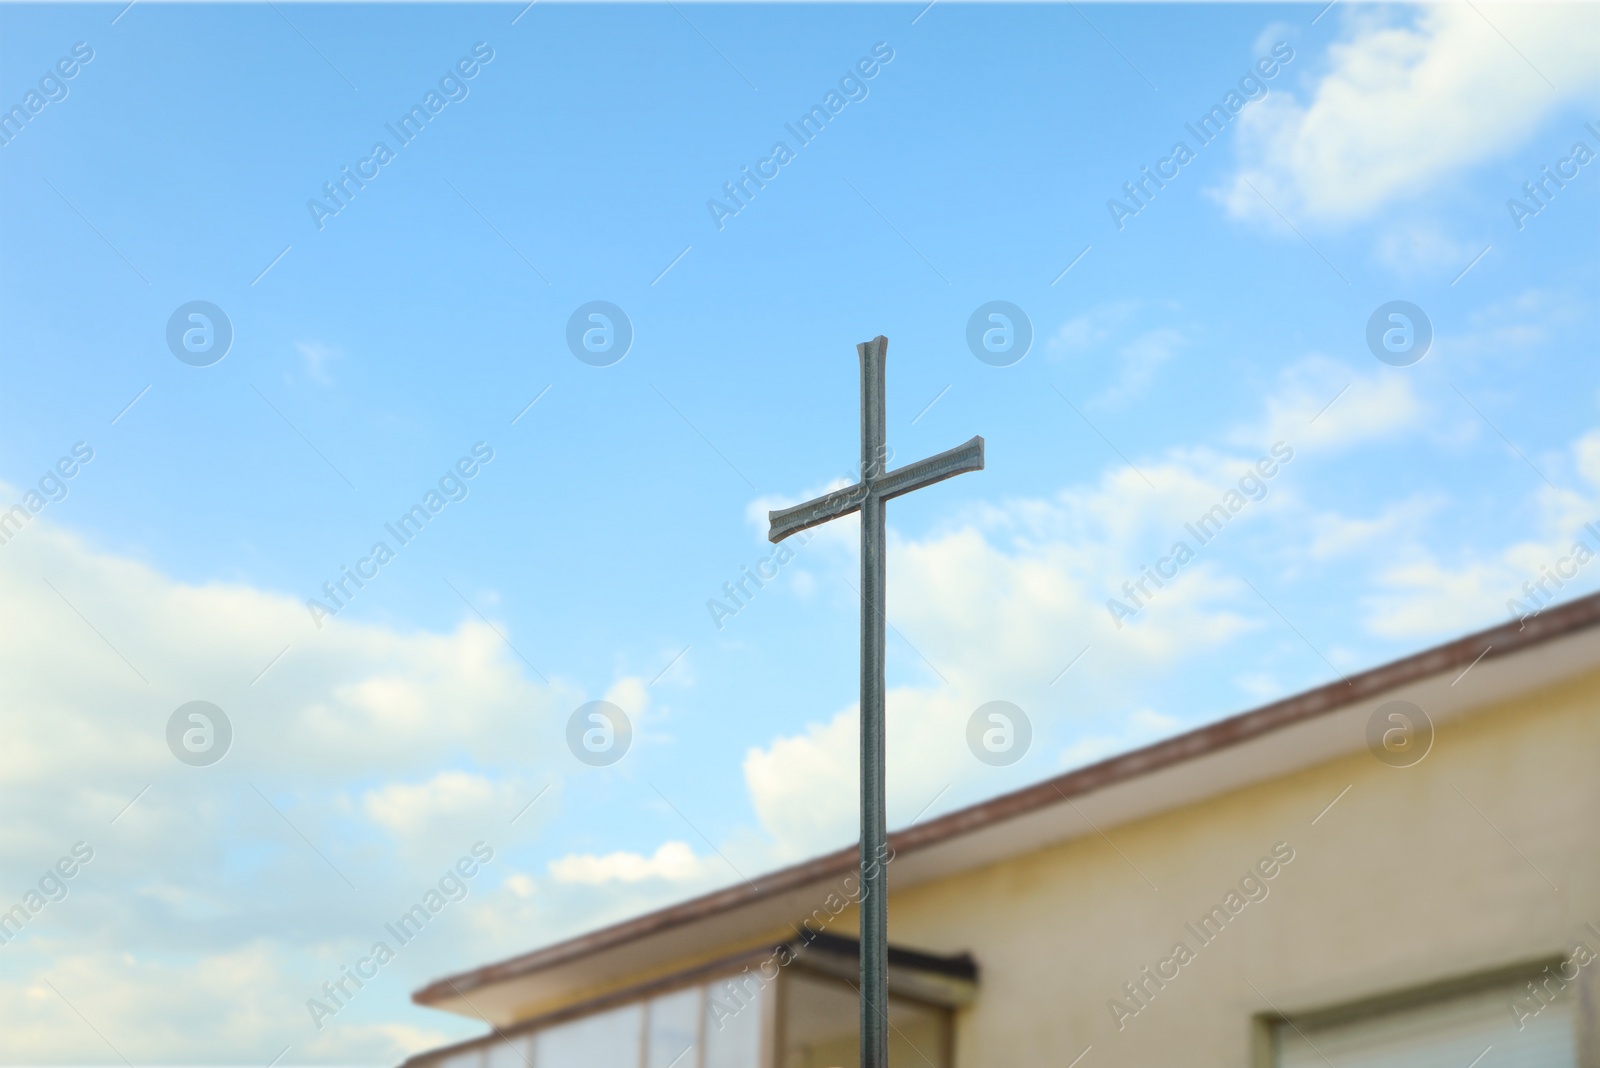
(1273, 740)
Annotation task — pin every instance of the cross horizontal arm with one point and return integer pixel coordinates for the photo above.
(947, 464)
(937, 468)
(814, 513)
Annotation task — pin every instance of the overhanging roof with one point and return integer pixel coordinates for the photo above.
(928, 978)
(1265, 743)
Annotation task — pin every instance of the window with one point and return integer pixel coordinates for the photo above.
(513, 1053)
(1477, 1027)
(604, 1040)
(715, 1025)
(732, 1025)
(821, 1027)
(674, 1029)
(792, 1007)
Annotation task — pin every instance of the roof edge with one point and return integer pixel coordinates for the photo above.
(1492, 643)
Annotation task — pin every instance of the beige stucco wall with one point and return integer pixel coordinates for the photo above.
(1401, 884)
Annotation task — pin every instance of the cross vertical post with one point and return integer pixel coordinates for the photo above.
(869, 496)
(874, 908)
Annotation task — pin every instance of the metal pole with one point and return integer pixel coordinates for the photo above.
(874, 827)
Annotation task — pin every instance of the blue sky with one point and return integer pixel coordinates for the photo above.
(374, 347)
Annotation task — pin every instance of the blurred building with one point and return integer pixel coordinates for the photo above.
(1396, 869)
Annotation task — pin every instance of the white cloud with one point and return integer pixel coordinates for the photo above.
(632, 695)
(672, 861)
(803, 584)
(1139, 352)
(1334, 535)
(1421, 596)
(399, 806)
(998, 618)
(1323, 404)
(804, 786)
(1137, 364)
(1422, 248)
(1091, 330)
(1514, 329)
(1259, 685)
(1410, 98)
(233, 1005)
(317, 357)
(435, 818)
(1142, 727)
(364, 754)
(380, 757)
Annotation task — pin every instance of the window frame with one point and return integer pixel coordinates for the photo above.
(948, 984)
(1264, 1026)
(774, 1049)
(724, 967)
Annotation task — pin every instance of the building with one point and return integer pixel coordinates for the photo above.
(1333, 879)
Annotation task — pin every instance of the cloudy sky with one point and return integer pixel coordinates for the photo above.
(378, 340)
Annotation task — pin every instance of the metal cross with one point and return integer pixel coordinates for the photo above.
(868, 497)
